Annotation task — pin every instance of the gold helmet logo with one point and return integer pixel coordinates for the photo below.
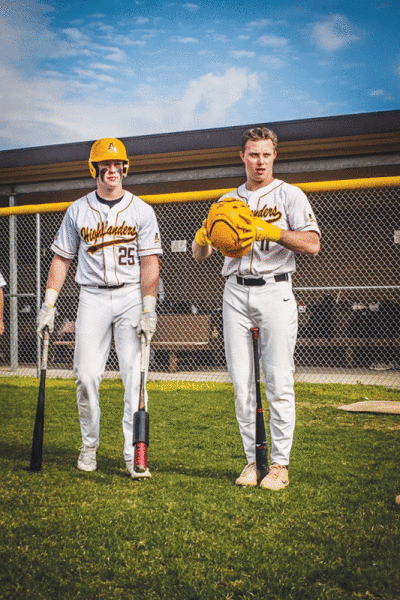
(107, 149)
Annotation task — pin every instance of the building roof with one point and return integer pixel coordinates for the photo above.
(346, 146)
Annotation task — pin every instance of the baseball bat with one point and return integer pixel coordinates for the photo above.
(141, 418)
(37, 440)
(261, 436)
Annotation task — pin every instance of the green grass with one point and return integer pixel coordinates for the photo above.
(189, 533)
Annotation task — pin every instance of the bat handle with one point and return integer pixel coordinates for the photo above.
(143, 344)
(45, 348)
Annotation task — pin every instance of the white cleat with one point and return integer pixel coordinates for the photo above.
(277, 478)
(248, 477)
(136, 474)
(87, 458)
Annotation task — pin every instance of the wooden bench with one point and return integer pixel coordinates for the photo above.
(175, 333)
(341, 321)
(178, 333)
(63, 338)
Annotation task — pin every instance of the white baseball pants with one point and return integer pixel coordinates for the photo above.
(102, 313)
(273, 309)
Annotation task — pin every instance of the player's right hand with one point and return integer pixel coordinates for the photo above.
(147, 325)
(201, 237)
(45, 319)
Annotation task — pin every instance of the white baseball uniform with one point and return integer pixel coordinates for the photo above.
(2, 281)
(272, 308)
(108, 240)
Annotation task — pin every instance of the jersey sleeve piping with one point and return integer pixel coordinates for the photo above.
(61, 252)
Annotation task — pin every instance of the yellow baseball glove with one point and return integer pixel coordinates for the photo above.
(230, 227)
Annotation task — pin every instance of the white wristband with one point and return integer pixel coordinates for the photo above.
(51, 297)
(149, 303)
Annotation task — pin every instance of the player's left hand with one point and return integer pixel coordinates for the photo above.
(266, 231)
(147, 325)
(45, 319)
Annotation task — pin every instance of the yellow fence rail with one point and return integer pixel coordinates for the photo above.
(180, 197)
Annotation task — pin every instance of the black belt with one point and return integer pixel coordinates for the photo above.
(258, 282)
(110, 287)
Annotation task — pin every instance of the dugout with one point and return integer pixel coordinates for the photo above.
(358, 264)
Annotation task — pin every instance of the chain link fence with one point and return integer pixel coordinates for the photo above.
(348, 297)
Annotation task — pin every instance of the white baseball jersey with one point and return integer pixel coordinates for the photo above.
(2, 281)
(283, 205)
(108, 239)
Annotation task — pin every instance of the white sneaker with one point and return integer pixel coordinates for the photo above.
(277, 478)
(135, 474)
(248, 476)
(87, 458)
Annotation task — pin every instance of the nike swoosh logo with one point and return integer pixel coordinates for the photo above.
(286, 299)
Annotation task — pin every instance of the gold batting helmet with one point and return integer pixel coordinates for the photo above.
(230, 227)
(107, 149)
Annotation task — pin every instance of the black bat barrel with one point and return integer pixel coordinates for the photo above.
(141, 427)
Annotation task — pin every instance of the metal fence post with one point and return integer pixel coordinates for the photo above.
(13, 290)
(38, 290)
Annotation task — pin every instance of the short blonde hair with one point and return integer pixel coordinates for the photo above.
(259, 133)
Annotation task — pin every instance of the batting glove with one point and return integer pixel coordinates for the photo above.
(201, 235)
(47, 312)
(266, 231)
(45, 319)
(148, 320)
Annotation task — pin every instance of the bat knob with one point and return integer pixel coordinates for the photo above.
(255, 332)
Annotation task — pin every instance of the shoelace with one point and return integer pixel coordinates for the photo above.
(275, 471)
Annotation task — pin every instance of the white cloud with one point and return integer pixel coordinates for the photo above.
(260, 23)
(220, 37)
(335, 33)
(44, 112)
(76, 36)
(379, 93)
(242, 54)
(115, 54)
(192, 7)
(266, 23)
(272, 61)
(104, 67)
(91, 74)
(208, 99)
(272, 40)
(184, 40)
(125, 40)
(24, 36)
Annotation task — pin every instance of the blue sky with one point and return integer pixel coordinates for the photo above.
(73, 71)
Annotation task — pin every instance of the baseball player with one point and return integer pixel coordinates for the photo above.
(116, 239)
(258, 293)
(2, 284)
